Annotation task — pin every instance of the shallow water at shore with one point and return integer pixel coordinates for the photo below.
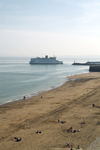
(18, 78)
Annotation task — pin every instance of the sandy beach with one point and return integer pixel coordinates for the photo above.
(36, 122)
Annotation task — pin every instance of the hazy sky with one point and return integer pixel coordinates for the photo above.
(53, 27)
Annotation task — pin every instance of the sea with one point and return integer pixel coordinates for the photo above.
(18, 78)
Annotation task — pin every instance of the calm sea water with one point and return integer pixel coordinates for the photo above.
(18, 78)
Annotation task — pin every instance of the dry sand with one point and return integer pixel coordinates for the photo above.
(71, 103)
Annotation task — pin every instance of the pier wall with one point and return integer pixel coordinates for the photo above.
(94, 68)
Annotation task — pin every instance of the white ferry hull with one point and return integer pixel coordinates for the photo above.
(45, 63)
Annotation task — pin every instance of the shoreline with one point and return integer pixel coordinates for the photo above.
(31, 95)
(70, 102)
(28, 96)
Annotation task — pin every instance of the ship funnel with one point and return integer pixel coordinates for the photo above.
(46, 56)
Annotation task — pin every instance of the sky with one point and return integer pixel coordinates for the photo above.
(49, 27)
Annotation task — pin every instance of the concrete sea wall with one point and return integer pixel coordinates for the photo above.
(94, 68)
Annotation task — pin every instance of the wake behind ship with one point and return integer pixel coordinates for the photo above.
(45, 60)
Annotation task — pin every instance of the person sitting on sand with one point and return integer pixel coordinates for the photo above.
(17, 140)
(58, 120)
(93, 105)
(69, 130)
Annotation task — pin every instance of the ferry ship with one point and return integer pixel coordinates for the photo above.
(45, 60)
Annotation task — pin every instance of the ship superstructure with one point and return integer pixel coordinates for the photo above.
(45, 60)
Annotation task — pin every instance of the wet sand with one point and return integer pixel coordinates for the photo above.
(71, 103)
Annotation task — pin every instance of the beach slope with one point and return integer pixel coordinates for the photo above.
(54, 118)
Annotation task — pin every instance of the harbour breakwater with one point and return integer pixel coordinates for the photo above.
(94, 66)
(88, 63)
